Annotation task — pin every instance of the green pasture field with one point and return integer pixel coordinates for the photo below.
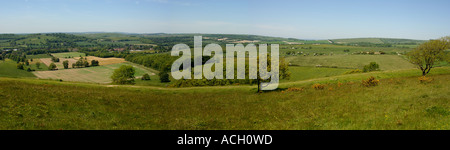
(305, 73)
(71, 54)
(397, 103)
(8, 68)
(327, 49)
(386, 62)
(358, 40)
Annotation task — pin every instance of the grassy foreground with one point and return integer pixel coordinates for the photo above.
(397, 103)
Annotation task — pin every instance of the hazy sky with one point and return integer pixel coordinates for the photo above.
(308, 19)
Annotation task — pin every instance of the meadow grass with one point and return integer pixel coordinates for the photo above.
(8, 68)
(67, 54)
(305, 73)
(397, 103)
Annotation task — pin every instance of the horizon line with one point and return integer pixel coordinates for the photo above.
(97, 32)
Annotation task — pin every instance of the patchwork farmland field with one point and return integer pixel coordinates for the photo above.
(99, 74)
(102, 61)
(106, 61)
(68, 54)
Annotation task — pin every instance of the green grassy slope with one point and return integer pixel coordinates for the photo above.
(8, 68)
(398, 103)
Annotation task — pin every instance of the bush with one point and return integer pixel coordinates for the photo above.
(145, 77)
(318, 86)
(370, 82)
(294, 89)
(54, 59)
(95, 63)
(20, 66)
(38, 65)
(52, 66)
(123, 75)
(66, 64)
(164, 77)
(373, 66)
(354, 71)
(424, 79)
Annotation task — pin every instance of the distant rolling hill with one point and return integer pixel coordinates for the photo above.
(378, 41)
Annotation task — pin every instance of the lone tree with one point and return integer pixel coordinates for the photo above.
(52, 66)
(95, 63)
(123, 75)
(38, 64)
(66, 64)
(426, 54)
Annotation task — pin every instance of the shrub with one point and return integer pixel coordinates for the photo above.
(145, 77)
(354, 71)
(164, 76)
(318, 86)
(20, 66)
(424, 79)
(437, 110)
(38, 65)
(95, 63)
(373, 66)
(123, 75)
(52, 66)
(54, 59)
(294, 89)
(370, 82)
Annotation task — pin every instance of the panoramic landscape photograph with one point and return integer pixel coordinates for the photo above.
(224, 65)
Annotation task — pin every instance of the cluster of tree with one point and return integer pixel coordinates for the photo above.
(15, 55)
(160, 62)
(283, 68)
(95, 63)
(45, 51)
(22, 65)
(105, 54)
(81, 63)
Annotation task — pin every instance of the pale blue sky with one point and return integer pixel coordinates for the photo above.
(307, 19)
